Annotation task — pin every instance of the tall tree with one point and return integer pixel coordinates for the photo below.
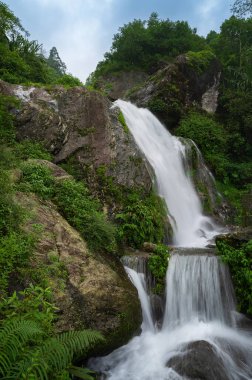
(55, 61)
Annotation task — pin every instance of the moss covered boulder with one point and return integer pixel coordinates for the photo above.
(90, 290)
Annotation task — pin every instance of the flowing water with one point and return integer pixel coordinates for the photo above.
(166, 154)
(199, 337)
(200, 308)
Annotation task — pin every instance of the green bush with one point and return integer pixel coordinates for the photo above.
(15, 251)
(34, 302)
(68, 80)
(74, 203)
(158, 263)
(28, 149)
(141, 219)
(239, 261)
(209, 135)
(85, 214)
(7, 130)
(200, 60)
(38, 179)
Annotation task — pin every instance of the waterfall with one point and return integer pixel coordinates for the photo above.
(138, 280)
(166, 154)
(199, 337)
(198, 289)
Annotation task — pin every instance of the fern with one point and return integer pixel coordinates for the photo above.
(22, 356)
(82, 373)
(14, 335)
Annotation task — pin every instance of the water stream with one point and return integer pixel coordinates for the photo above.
(199, 337)
(166, 154)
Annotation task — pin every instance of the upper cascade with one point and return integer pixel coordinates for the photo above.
(167, 154)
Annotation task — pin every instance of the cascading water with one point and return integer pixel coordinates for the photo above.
(199, 337)
(165, 153)
(198, 314)
(138, 280)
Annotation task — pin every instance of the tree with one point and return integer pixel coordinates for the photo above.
(9, 23)
(242, 8)
(55, 62)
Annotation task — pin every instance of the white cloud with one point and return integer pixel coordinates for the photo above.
(80, 32)
(206, 14)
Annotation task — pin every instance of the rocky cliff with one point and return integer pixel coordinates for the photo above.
(80, 125)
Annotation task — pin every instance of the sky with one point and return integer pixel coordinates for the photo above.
(82, 30)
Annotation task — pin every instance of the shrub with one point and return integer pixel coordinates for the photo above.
(69, 80)
(84, 213)
(7, 130)
(200, 60)
(38, 179)
(239, 261)
(75, 204)
(141, 219)
(158, 263)
(29, 149)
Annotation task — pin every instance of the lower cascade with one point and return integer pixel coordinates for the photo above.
(199, 338)
(201, 335)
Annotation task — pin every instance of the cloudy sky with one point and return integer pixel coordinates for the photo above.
(82, 30)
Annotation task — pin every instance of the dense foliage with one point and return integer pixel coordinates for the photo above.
(22, 60)
(158, 263)
(75, 204)
(141, 219)
(239, 260)
(143, 44)
(29, 348)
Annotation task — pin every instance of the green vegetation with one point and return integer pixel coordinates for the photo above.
(200, 60)
(220, 148)
(141, 220)
(22, 60)
(143, 44)
(29, 347)
(158, 263)
(239, 260)
(140, 216)
(121, 119)
(75, 204)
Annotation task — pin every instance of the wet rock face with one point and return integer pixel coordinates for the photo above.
(80, 125)
(199, 362)
(91, 291)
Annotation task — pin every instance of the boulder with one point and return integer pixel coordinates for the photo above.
(90, 290)
(199, 361)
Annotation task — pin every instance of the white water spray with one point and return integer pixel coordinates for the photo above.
(190, 319)
(165, 153)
